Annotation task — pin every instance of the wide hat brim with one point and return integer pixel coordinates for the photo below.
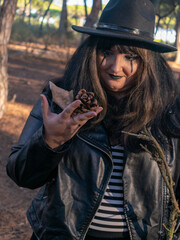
(127, 39)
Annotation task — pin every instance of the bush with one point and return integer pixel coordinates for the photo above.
(21, 31)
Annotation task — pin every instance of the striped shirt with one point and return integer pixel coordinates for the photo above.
(110, 215)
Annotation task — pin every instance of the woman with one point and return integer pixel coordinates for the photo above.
(96, 182)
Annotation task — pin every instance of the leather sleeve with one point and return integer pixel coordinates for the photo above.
(32, 163)
(172, 120)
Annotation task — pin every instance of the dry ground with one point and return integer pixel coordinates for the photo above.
(27, 77)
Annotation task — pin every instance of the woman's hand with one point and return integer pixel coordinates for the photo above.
(59, 128)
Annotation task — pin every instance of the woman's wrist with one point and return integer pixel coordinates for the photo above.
(53, 143)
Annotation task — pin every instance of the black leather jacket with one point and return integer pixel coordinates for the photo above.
(74, 177)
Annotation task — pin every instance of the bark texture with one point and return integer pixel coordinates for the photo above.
(63, 23)
(178, 36)
(93, 17)
(7, 13)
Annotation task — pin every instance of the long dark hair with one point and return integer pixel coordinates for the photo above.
(145, 101)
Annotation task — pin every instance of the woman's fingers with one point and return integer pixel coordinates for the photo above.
(82, 118)
(99, 109)
(67, 112)
(89, 115)
(44, 107)
(85, 116)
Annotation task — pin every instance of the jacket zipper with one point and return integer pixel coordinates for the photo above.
(127, 221)
(99, 202)
(125, 214)
(163, 205)
(104, 185)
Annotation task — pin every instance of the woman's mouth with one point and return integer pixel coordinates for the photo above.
(115, 77)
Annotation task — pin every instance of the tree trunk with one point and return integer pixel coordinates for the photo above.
(46, 12)
(93, 17)
(30, 3)
(63, 23)
(85, 8)
(7, 13)
(24, 11)
(178, 37)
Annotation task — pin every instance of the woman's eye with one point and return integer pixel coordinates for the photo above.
(131, 57)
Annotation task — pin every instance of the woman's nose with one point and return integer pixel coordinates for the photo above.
(117, 65)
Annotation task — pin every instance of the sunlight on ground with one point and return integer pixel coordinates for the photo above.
(53, 52)
(14, 118)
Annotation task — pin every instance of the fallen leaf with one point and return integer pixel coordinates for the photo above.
(60, 96)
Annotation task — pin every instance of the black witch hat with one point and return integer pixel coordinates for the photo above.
(131, 21)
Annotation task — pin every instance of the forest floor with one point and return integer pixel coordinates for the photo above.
(29, 70)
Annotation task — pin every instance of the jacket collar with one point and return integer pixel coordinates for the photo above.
(97, 137)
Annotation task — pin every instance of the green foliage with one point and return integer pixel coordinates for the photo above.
(54, 13)
(20, 3)
(21, 31)
(55, 7)
(39, 7)
(165, 7)
(169, 13)
(37, 4)
(78, 10)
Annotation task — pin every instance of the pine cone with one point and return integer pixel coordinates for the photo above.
(89, 102)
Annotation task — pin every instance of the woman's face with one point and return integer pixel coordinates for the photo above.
(116, 68)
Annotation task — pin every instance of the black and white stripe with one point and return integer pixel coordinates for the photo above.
(110, 215)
